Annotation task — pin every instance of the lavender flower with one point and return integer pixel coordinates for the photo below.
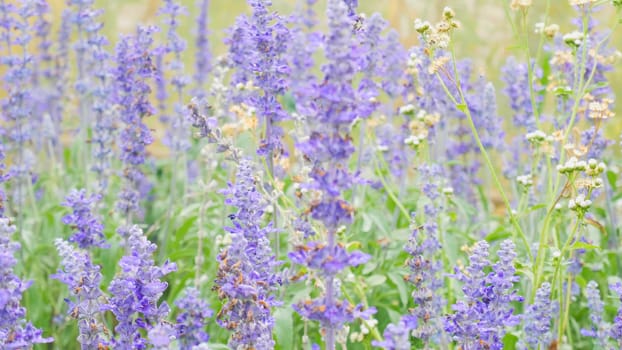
(83, 280)
(202, 56)
(263, 42)
(616, 327)
(17, 108)
(397, 337)
(134, 68)
(329, 147)
(161, 335)
(135, 291)
(600, 328)
(485, 313)
(537, 320)
(89, 229)
(15, 332)
(191, 321)
(178, 131)
(246, 277)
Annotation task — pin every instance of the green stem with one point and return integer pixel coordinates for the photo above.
(463, 107)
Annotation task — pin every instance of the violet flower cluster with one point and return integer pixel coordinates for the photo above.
(89, 231)
(202, 56)
(246, 277)
(83, 279)
(259, 54)
(132, 74)
(191, 320)
(136, 290)
(537, 320)
(177, 136)
(17, 107)
(15, 331)
(329, 147)
(480, 321)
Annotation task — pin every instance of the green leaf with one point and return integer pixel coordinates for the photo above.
(284, 328)
(376, 280)
(399, 283)
(612, 177)
(583, 245)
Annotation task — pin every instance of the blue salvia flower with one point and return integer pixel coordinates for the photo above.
(425, 263)
(136, 290)
(488, 122)
(616, 327)
(191, 320)
(15, 332)
(177, 136)
(246, 277)
(134, 69)
(304, 43)
(537, 320)
(161, 336)
(600, 328)
(265, 37)
(515, 76)
(202, 56)
(481, 319)
(425, 266)
(17, 107)
(83, 279)
(329, 148)
(397, 336)
(101, 86)
(89, 231)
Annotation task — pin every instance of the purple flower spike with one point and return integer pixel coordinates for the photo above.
(136, 290)
(15, 332)
(134, 69)
(538, 320)
(485, 313)
(83, 280)
(88, 228)
(191, 321)
(246, 277)
(202, 55)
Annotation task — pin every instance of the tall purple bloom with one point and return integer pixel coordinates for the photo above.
(537, 320)
(329, 147)
(177, 136)
(600, 328)
(191, 320)
(246, 277)
(18, 107)
(397, 336)
(485, 313)
(15, 331)
(202, 56)
(260, 57)
(136, 290)
(83, 278)
(616, 328)
(89, 231)
(134, 69)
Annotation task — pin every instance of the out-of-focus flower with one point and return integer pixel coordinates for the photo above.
(486, 312)
(136, 290)
(246, 275)
(134, 69)
(83, 278)
(88, 227)
(191, 320)
(202, 56)
(15, 332)
(537, 320)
